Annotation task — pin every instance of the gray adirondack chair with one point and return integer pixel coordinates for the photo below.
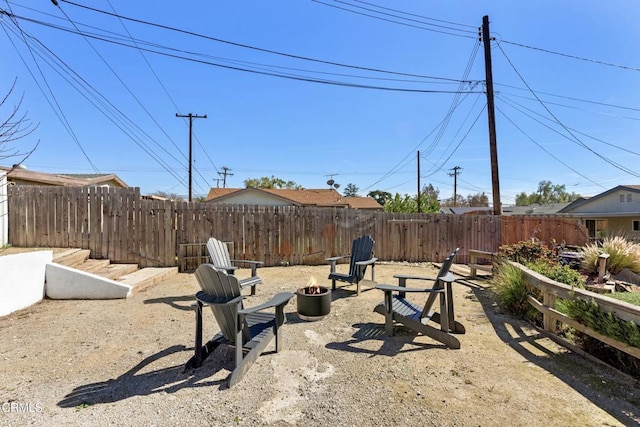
(219, 255)
(397, 308)
(361, 256)
(249, 330)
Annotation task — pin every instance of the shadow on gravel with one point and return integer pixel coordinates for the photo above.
(139, 382)
(401, 342)
(184, 303)
(610, 390)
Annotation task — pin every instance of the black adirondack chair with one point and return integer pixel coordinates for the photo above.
(397, 308)
(219, 255)
(249, 330)
(361, 256)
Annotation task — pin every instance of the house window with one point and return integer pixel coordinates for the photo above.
(636, 225)
(597, 228)
(628, 198)
(622, 198)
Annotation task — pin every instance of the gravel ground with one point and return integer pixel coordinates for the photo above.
(120, 363)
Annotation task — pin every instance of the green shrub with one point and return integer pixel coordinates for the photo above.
(590, 314)
(511, 291)
(527, 251)
(559, 273)
(630, 297)
(622, 254)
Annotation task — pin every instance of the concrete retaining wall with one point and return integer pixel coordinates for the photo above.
(68, 283)
(27, 277)
(22, 279)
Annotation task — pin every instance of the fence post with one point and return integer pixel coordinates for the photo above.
(4, 210)
(549, 323)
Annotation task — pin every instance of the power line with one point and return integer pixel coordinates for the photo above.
(119, 119)
(166, 92)
(56, 108)
(418, 16)
(246, 46)
(575, 138)
(571, 98)
(395, 22)
(522, 107)
(566, 55)
(455, 103)
(273, 74)
(547, 151)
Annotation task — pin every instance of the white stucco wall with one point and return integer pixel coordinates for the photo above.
(22, 279)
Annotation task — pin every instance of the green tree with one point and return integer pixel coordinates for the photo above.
(382, 197)
(547, 193)
(409, 204)
(429, 199)
(273, 182)
(400, 203)
(351, 190)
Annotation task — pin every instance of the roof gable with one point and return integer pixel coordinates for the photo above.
(23, 176)
(296, 197)
(608, 202)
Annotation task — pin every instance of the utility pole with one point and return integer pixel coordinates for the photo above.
(418, 199)
(455, 174)
(491, 113)
(191, 117)
(225, 171)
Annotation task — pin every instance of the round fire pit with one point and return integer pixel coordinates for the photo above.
(313, 303)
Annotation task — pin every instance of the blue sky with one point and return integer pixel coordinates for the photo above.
(381, 81)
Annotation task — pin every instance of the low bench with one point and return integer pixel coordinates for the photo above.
(475, 256)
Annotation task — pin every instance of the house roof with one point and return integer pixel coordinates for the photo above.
(583, 200)
(28, 177)
(299, 197)
(535, 209)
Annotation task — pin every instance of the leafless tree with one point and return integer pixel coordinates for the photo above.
(14, 127)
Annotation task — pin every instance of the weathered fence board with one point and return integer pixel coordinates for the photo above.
(118, 224)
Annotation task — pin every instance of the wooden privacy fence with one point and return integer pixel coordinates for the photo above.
(118, 224)
(551, 290)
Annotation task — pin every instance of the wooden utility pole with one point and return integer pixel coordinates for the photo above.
(454, 174)
(491, 113)
(191, 117)
(418, 198)
(225, 171)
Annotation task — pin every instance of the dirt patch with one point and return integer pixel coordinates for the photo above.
(120, 362)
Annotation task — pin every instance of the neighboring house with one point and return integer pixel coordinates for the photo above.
(616, 211)
(289, 197)
(550, 209)
(22, 176)
(537, 209)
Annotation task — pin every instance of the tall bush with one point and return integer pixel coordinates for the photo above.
(622, 254)
(511, 291)
(527, 251)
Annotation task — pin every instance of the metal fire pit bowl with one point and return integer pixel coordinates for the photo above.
(312, 307)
